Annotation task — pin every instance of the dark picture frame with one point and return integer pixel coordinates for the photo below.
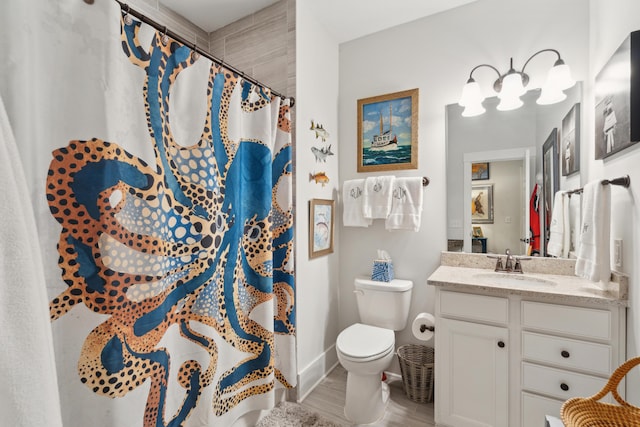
(321, 226)
(482, 204)
(570, 148)
(388, 132)
(617, 94)
(550, 183)
(479, 171)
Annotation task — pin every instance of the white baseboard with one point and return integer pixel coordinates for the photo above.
(315, 372)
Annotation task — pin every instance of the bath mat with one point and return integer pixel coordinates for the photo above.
(289, 414)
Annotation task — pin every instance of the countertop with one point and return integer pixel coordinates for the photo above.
(462, 273)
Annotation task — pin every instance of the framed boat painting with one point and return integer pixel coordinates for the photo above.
(321, 219)
(388, 132)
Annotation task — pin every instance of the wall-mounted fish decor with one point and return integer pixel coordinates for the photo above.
(319, 130)
(322, 153)
(320, 178)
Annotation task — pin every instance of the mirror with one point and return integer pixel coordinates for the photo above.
(511, 143)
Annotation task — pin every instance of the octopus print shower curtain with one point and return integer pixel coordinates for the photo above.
(173, 298)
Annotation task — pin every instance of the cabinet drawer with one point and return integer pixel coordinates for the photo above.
(550, 381)
(474, 307)
(564, 352)
(564, 319)
(534, 408)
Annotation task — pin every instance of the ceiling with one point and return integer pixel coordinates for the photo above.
(344, 19)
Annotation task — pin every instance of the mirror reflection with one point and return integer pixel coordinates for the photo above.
(494, 162)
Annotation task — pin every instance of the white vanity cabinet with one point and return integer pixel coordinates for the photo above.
(567, 351)
(509, 359)
(472, 360)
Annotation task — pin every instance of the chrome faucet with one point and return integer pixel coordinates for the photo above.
(511, 264)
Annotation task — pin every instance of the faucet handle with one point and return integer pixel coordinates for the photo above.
(517, 268)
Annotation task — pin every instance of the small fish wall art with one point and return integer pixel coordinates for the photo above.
(319, 178)
(322, 153)
(320, 131)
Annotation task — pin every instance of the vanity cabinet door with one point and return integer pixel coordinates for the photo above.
(472, 374)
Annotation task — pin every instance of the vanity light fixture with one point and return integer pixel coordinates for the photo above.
(512, 85)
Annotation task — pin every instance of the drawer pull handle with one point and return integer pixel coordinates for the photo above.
(564, 387)
(501, 344)
(565, 354)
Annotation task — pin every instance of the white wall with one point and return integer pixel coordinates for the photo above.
(436, 54)
(316, 279)
(611, 23)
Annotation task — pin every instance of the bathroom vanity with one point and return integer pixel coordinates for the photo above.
(511, 348)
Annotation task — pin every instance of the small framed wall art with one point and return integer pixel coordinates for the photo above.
(479, 171)
(482, 204)
(388, 132)
(321, 225)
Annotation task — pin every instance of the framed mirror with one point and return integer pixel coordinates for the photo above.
(550, 183)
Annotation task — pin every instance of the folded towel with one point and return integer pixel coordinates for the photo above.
(352, 196)
(560, 229)
(406, 209)
(29, 392)
(593, 261)
(377, 196)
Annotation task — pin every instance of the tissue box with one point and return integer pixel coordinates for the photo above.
(382, 270)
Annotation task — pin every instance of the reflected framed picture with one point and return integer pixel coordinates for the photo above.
(388, 132)
(570, 146)
(550, 183)
(482, 204)
(477, 231)
(479, 171)
(321, 224)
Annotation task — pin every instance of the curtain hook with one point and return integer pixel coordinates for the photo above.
(165, 38)
(195, 55)
(127, 18)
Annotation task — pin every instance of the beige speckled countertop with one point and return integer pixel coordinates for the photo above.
(474, 273)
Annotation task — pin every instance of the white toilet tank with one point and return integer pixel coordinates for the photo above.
(384, 304)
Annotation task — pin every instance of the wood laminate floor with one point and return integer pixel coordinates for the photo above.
(328, 400)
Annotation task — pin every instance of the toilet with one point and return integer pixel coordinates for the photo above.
(366, 349)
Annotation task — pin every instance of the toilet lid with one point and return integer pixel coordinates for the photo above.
(361, 341)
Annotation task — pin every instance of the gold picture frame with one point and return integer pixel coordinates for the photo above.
(477, 231)
(321, 225)
(388, 132)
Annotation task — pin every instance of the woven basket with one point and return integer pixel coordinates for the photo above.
(416, 367)
(589, 412)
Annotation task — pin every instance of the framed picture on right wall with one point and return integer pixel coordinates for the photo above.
(617, 95)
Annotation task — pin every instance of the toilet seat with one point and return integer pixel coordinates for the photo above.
(362, 343)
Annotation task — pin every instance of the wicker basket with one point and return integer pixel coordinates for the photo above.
(588, 412)
(416, 367)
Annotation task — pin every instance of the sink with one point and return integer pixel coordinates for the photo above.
(511, 279)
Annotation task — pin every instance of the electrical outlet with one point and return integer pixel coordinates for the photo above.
(507, 220)
(617, 253)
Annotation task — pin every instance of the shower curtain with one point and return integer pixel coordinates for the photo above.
(163, 197)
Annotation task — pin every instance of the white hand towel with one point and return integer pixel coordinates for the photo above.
(377, 196)
(353, 197)
(29, 392)
(406, 209)
(560, 230)
(593, 261)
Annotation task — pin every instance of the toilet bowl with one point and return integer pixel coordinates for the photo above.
(365, 351)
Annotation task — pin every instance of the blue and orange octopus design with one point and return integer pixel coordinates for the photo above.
(199, 237)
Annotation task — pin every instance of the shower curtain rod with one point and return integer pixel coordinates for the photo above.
(128, 10)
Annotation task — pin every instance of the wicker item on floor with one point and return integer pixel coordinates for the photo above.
(416, 367)
(589, 412)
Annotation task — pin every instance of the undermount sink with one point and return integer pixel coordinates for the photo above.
(511, 279)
